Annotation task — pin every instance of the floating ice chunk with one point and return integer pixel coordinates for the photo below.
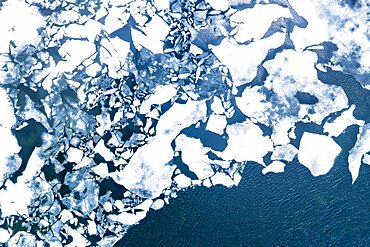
(155, 33)
(246, 143)
(75, 52)
(222, 179)
(93, 69)
(19, 23)
(162, 4)
(74, 155)
(180, 116)
(243, 60)
(148, 172)
(345, 119)
(194, 155)
(217, 106)
(65, 215)
(157, 204)
(101, 170)
(34, 165)
(103, 151)
(253, 104)
(237, 178)
(4, 235)
(65, 17)
(113, 53)
(22, 238)
(89, 30)
(127, 218)
(8, 143)
(280, 130)
(11, 203)
(219, 4)
(361, 147)
(77, 238)
(91, 227)
(161, 95)
(318, 153)
(275, 167)
(207, 183)
(284, 152)
(182, 181)
(115, 20)
(366, 159)
(252, 23)
(216, 123)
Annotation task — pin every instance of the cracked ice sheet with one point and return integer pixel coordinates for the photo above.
(318, 153)
(149, 171)
(361, 147)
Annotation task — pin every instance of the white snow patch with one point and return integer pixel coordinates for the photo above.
(75, 52)
(317, 153)
(101, 170)
(113, 53)
(8, 143)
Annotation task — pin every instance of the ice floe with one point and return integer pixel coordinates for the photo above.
(345, 119)
(361, 147)
(275, 167)
(246, 143)
(317, 153)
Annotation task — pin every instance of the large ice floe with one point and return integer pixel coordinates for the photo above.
(109, 108)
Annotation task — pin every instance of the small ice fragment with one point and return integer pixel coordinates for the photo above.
(182, 181)
(158, 204)
(222, 179)
(74, 155)
(275, 166)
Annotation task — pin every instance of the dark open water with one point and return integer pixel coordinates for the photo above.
(288, 209)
